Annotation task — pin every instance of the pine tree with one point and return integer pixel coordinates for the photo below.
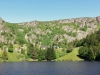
(4, 55)
(34, 55)
(50, 54)
(91, 54)
(30, 50)
(53, 53)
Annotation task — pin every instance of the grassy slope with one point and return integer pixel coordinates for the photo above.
(11, 56)
(70, 56)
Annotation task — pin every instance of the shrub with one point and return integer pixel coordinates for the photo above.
(69, 50)
(10, 50)
(4, 55)
(22, 51)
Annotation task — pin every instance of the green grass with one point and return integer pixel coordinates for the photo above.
(70, 56)
(13, 56)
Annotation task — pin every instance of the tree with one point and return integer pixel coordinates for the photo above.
(10, 49)
(34, 54)
(4, 55)
(53, 52)
(41, 55)
(91, 47)
(50, 54)
(70, 47)
(83, 52)
(98, 53)
(98, 56)
(91, 56)
(22, 51)
(30, 50)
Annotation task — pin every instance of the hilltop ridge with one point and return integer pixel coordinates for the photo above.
(77, 27)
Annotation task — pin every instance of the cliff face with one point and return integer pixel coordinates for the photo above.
(91, 23)
(83, 21)
(49, 31)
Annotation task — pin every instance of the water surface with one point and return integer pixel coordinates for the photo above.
(50, 68)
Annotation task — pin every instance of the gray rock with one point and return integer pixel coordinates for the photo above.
(1, 20)
(98, 18)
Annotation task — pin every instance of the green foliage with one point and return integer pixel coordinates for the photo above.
(91, 54)
(22, 51)
(19, 35)
(10, 50)
(91, 47)
(71, 45)
(41, 55)
(73, 56)
(99, 25)
(4, 55)
(34, 54)
(98, 55)
(70, 48)
(30, 50)
(84, 29)
(73, 34)
(87, 53)
(50, 54)
(26, 56)
(1, 45)
(83, 52)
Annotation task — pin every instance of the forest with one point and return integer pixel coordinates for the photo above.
(90, 47)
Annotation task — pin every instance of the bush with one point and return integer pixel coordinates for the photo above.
(26, 56)
(69, 50)
(10, 50)
(4, 55)
(22, 51)
(39, 59)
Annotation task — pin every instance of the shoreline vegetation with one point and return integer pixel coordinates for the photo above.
(72, 56)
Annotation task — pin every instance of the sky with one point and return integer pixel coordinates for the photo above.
(16, 11)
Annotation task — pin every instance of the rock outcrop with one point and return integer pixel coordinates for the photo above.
(1, 20)
(98, 19)
(70, 29)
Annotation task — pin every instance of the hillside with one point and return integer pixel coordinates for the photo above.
(73, 56)
(45, 33)
(69, 29)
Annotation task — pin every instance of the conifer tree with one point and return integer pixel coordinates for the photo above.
(50, 54)
(4, 55)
